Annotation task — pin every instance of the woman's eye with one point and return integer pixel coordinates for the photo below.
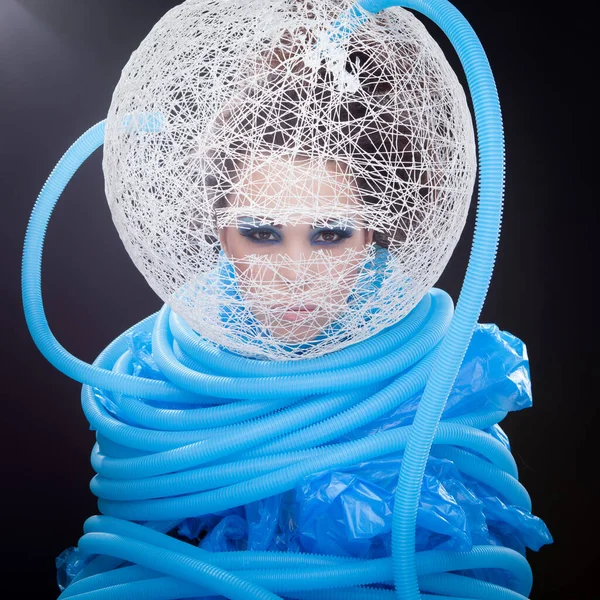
(263, 235)
(332, 236)
(327, 236)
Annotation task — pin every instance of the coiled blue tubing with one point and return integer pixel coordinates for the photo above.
(268, 424)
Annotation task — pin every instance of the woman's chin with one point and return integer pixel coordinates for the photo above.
(292, 330)
(295, 337)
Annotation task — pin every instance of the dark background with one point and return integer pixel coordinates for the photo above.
(59, 63)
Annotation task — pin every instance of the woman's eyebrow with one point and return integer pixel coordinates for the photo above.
(338, 223)
(266, 221)
(258, 221)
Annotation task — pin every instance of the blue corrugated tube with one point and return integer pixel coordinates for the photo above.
(239, 430)
(490, 138)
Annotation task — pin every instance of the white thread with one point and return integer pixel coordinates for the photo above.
(240, 114)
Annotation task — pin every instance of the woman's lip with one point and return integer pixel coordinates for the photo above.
(297, 313)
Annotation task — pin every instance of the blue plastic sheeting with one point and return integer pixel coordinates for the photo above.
(348, 512)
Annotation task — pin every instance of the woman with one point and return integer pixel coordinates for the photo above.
(309, 221)
(329, 197)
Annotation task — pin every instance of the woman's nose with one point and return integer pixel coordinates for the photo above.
(293, 264)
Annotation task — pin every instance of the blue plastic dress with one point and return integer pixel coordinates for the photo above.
(348, 512)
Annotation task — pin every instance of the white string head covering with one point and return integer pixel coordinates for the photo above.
(288, 195)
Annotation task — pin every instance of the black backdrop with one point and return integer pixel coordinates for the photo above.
(59, 63)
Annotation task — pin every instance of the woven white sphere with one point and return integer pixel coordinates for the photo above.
(286, 191)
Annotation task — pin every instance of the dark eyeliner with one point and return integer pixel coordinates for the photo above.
(249, 231)
(343, 233)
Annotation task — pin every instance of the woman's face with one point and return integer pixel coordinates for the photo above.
(296, 238)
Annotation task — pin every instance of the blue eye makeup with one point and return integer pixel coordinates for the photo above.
(332, 232)
(331, 235)
(262, 232)
(258, 231)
